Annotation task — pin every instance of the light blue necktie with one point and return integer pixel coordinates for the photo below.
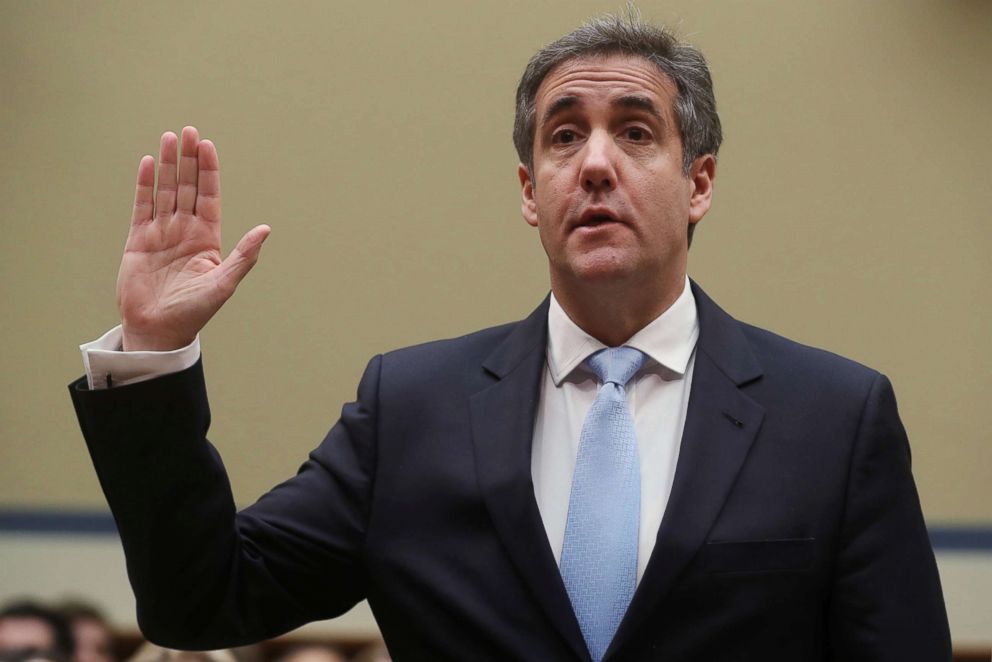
(599, 555)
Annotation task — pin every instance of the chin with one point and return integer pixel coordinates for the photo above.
(603, 270)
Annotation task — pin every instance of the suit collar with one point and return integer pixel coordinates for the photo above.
(722, 340)
(668, 340)
(527, 336)
(721, 424)
(502, 432)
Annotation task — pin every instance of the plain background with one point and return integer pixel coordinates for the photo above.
(851, 211)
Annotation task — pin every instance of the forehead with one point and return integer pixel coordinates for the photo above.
(25, 632)
(603, 77)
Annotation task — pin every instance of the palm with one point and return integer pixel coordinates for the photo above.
(172, 278)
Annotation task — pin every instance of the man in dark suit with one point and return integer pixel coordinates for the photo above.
(754, 500)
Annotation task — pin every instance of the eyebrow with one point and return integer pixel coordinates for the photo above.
(561, 104)
(641, 103)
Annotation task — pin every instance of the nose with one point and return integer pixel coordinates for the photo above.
(598, 171)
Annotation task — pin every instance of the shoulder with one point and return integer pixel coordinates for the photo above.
(749, 354)
(780, 355)
(816, 400)
(441, 365)
(474, 358)
(471, 347)
(810, 383)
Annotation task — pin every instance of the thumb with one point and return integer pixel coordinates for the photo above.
(244, 256)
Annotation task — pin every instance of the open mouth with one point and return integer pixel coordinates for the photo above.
(597, 218)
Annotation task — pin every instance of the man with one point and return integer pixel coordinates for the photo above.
(29, 630)
(312, 653)
(627, 474)
(92, 635)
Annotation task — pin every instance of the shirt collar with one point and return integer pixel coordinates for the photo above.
(668, 340)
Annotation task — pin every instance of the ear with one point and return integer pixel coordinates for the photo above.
(528, 206)
(701, 176)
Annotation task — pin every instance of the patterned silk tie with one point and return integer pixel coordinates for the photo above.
(599, 554)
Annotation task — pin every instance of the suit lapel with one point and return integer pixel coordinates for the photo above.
(721, 424)
(502, 428)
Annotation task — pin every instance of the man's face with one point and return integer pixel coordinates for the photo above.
(607, 192)
(17, 633)
(94, 642)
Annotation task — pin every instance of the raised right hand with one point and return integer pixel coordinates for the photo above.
(172, 279)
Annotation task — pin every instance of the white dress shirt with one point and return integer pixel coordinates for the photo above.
(106, 365)
(658, 397)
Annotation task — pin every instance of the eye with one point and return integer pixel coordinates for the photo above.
(564, 137)
(636, 133)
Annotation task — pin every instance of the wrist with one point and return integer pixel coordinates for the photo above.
(138, 342)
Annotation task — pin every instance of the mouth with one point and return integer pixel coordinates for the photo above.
(596, 217)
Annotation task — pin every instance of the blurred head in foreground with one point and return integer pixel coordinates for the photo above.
(312, 653)
(29, 630)
(94, 638)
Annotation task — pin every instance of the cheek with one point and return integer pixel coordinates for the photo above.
(549, 197)
(666, 196)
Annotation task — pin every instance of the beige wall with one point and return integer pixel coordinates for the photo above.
(852, 207)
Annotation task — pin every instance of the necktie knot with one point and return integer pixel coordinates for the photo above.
(616, 365)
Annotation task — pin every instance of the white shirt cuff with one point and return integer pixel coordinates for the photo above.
(107, 365)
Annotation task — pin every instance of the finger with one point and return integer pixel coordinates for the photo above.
(165, 199)
(244, 256)
(208, 184)
(186, 199)
(144, 191)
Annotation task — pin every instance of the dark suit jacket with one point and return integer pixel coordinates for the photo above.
(793, 531)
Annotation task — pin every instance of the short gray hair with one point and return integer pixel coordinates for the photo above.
(626, 34)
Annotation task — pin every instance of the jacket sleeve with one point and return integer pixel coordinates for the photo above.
(204, 576)
(886, 601)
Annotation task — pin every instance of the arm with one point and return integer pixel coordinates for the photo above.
(205, 577)
(886, 599)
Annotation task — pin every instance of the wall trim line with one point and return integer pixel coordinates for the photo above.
(55, 521)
